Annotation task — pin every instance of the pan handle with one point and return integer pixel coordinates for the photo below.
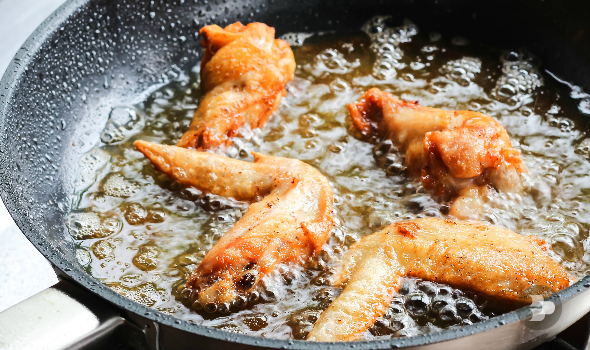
(67, 317)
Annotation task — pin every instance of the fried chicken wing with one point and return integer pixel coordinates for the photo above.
(289, 220)
(450, 150)
(470, 255)
(243, 76)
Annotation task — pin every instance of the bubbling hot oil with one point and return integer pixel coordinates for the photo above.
(143, 235)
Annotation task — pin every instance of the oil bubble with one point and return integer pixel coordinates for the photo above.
(146, 294)
(520, 77)
(103, 249)
(146, 258)
(123, 122)
(115, 185)
(295, 39)
(86, 225)
(88, 168)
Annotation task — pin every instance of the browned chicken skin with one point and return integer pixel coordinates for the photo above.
(469, 255)
(456, 153)
(289, 220)
(243, 76)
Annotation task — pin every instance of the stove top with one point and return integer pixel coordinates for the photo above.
(573, 338)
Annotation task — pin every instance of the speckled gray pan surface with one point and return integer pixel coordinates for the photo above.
(27, 271)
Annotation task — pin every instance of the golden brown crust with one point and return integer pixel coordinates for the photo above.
(243, 76)
(449, 150)
(373, 275)
(407, 228)
(291, 223)
(470, 255)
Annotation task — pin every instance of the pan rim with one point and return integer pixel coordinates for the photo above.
(9, 81)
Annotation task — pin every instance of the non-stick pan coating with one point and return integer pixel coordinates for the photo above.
(92, 55)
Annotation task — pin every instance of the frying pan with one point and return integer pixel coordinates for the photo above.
(92, 55)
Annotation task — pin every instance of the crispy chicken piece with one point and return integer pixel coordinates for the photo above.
(243, 76)
(470, 255)
(450, 150)
(289, 220)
